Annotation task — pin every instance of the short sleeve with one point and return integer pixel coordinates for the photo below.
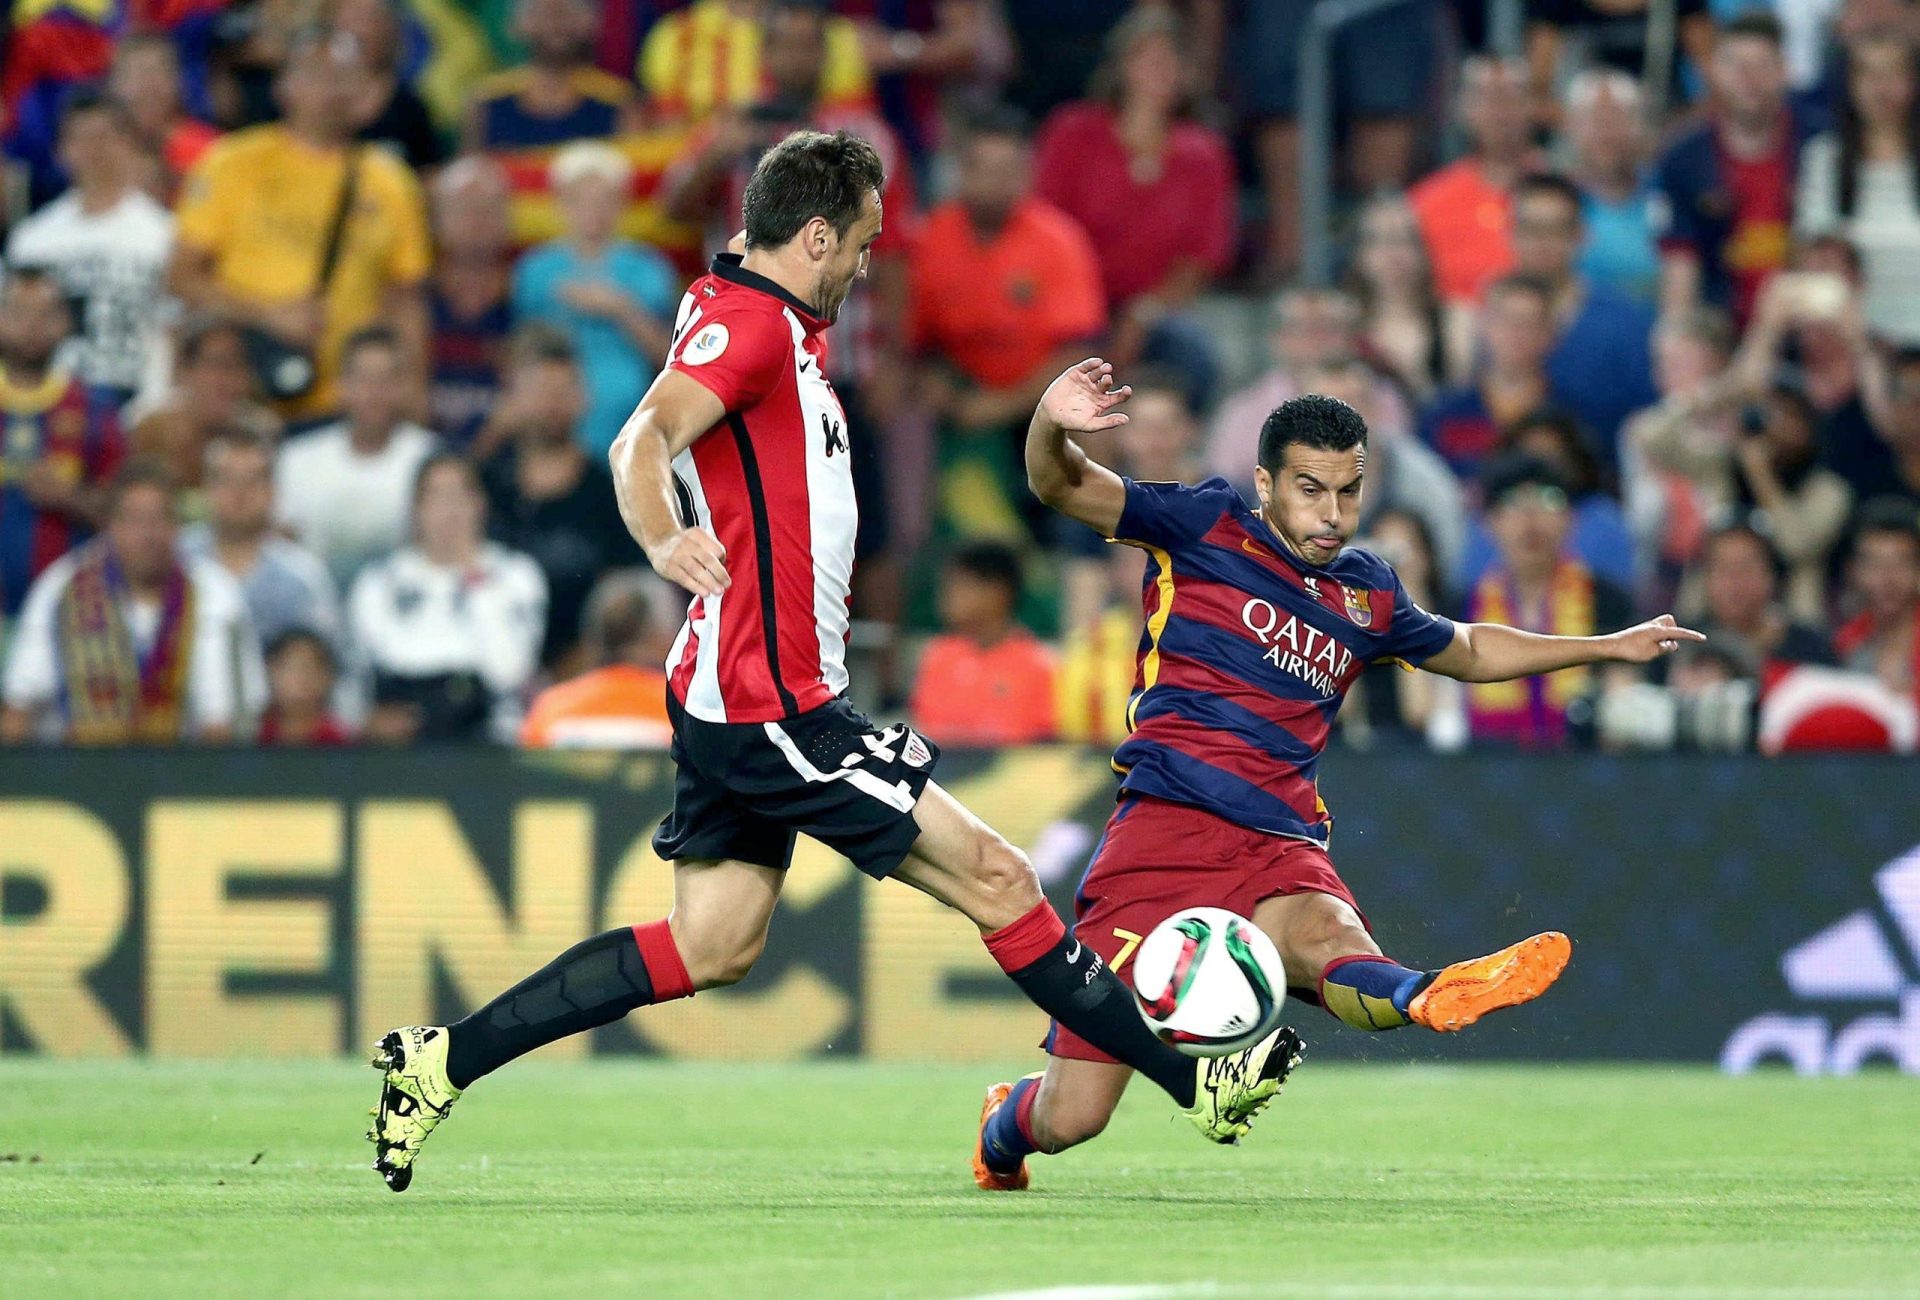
(203, 215)
(1413, 634)
(410, 253)
(1169, 515)
(738, 356)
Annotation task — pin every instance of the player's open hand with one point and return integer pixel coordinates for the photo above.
(1653, 639)
(1083, 398)
(692, 558)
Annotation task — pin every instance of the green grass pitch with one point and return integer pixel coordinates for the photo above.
(849, 1180)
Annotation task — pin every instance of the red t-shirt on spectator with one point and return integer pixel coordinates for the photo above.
(968, 694)
(1466, 223)
(1762, 195)
(999, 308)
(1140, 226)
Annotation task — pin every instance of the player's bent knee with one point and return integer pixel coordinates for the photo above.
(717, 959)
(1004, 886)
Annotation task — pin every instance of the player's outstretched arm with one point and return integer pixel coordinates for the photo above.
(673, 414)
(1082, 400)
(1490, 652)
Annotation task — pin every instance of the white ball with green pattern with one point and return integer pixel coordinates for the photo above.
(1209, 982)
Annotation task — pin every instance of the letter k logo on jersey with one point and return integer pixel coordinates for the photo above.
(835, 435)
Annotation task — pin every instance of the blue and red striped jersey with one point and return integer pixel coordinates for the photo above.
(1247, 654)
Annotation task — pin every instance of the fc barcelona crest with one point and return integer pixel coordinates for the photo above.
(1359, 606)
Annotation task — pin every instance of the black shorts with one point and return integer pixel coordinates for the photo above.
(745, 789)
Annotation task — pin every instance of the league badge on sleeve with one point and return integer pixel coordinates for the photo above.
(1359, 607)
(705, 346)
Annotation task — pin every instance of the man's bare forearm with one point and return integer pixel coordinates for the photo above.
(1055, 463)
(1496, 653)
(643, 482)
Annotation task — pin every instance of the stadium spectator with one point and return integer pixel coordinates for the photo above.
(548, 498)
(342, 490)
(1812, 316)
(949, 54)
(1740, 576)
(1861, 181)
(301, 673)
(146, 79)
(1619, 36)
(107, 241)
(285, 585)
(124, 641)
(1006, 293)
(447, 629)
(1597, 533)
(1404, 327)
(265, 207)
(1517, 335)
(214, 389)
(613, 299)
(1396, 706)
(557, 95)
(1781, 487)
(1382, 73)
(1537, 585)
(1153, 188)
(1601, 365)
(1464, 209)
(468, 299)
(388, 109)
(986, 680)
(1884, 576)
(1310, 327)
(1875, 443)
(61, 445)
(1403, 473)
(710, 57)
(1674, 454)
(1059, 47)
(621, 701)
(1727, 184)
(1607, 129)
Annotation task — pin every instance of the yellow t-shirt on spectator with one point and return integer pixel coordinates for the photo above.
(261, 202)
(707, 57)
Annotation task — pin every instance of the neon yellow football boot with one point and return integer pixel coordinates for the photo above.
(415, 1095)
(1231, 1090)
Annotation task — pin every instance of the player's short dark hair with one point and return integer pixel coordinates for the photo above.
(990, 561)
(1753, 24)
(1550, 184)
(1887, 515)
(809, 174)
(1310, 420)
(302, 636)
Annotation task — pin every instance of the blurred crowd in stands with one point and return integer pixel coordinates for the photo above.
(319, 316)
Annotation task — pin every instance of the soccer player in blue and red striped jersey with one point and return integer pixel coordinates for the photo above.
(1257, 623)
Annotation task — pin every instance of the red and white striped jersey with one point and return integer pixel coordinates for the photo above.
(773, 481)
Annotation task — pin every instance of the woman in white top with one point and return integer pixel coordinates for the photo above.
(1862, 181)
(446, 631)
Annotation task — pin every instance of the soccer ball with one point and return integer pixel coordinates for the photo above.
(1208, 982)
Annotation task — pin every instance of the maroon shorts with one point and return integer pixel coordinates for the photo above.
(1158, 857)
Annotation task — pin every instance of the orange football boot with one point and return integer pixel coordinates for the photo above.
(1463, 992)
(992, 1180)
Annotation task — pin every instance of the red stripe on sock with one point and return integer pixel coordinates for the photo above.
(1337, 963)
(661, 956)
(1027, 940)
(1023, 1115)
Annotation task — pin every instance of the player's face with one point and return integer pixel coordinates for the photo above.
(845, 259)
(1312, 500)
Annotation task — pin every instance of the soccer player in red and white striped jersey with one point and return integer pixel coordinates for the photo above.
(733, 475)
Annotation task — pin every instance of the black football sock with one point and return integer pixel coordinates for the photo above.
(1069, 981)
(593, 983)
